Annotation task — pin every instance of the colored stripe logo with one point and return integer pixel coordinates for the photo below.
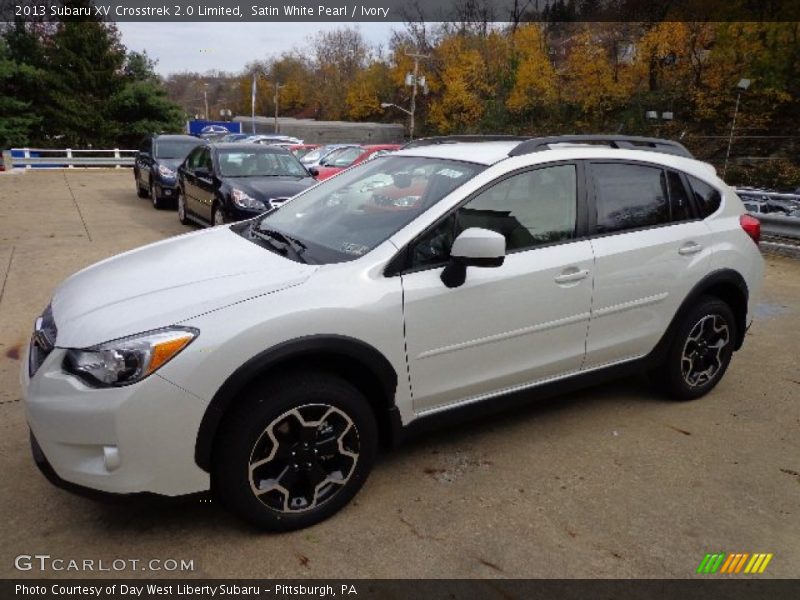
(734, 563)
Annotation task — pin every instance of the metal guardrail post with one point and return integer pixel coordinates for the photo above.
(116, 155)
(27, 154)
(69, 156)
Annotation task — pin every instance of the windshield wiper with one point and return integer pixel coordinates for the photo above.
(280, 241)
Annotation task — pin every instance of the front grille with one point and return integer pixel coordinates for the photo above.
(43, 340)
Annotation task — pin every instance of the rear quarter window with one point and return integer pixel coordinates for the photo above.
(706, 197)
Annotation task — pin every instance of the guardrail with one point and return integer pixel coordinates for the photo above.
(780, 225)
(50, 158)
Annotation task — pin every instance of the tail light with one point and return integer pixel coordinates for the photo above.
(751, 226)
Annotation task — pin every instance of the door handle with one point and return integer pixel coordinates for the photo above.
(689, 248)
(572, 275)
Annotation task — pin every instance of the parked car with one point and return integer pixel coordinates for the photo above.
(313, 158)
(273, 139)
(300, 150)
(155, 164)
(233, 137)
(756, 207)
(267, 359)
(223, 183)
(344, 158)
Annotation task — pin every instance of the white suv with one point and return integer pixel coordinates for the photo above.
(267, 360)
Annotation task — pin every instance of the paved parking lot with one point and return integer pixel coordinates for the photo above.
(609, 482)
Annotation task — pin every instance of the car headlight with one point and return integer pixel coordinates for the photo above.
(165, 171)
(243, 200)
(129, 359)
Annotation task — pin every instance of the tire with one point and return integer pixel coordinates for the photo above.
(217, 216)
(140, 191)
(297, 482)
(182, 208)
(700, 352)
(158, 203)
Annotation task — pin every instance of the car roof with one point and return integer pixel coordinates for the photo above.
(177, 137)
(485, 153)
(250, 147)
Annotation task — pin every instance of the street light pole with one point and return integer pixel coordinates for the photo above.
(277, 89)
(413, 109)
(205, 98)
(742, 87)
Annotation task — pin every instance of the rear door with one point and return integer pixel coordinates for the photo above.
(651, 247)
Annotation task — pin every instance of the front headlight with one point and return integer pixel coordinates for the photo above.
(165, 171)
(129, 359)
(243, 200)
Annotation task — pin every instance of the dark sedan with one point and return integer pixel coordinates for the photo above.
(155, 164)
(222, 183)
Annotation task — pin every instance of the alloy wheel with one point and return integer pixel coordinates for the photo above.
(702, 357)
(303, 458)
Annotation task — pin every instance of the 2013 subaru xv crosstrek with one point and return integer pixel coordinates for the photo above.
(267, 360)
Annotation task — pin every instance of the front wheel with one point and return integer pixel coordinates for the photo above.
(158, 203)
(294, 451)
(700, 352)
(182, 207)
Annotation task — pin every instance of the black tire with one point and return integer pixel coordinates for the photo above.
(264, 426)
(140, 191)
(216, 213)
(158, 203)
(695, 365)
(182, 211)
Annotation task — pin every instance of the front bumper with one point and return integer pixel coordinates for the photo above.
(168, 190)
(127, 440)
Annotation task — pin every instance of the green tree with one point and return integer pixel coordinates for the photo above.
(16, 119)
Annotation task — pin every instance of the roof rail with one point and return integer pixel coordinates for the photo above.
(455, 139)
(627, 142)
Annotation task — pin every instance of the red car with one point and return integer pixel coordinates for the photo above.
(343, 158)
(300, 150)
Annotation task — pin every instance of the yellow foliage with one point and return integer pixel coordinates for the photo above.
(589, 77)
(535, 83)
(463, 81)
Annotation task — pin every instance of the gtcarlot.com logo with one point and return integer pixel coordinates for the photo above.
(734, 563)
(45, 562)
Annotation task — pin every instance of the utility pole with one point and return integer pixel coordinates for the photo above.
(277, 90)
(741, 87)
(205, 98)
(413, 108)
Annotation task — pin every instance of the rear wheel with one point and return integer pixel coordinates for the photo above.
(700, 352)
(158, 203)
(294, 451)
(140, 191)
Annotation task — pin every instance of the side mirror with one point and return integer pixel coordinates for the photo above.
(314, 172)
(474, 247)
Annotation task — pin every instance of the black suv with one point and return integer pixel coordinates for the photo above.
(155, 165)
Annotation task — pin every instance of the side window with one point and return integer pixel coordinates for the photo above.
(707, 198)
(530, 209)
(630, 197)
(193, 160)
(680, 207)
(205, 160)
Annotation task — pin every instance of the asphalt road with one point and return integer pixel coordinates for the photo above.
(609, 482)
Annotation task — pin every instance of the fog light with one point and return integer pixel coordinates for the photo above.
(111, 457)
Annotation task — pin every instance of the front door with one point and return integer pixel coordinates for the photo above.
(510, 326)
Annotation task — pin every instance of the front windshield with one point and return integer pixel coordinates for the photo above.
(175, 148)
(259, 162)
(345, 217)
(343, 158)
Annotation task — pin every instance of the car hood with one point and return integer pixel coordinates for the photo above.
(264, 188)
(172, 163)
(166, 283)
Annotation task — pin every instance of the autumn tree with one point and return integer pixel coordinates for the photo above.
(462, 87)
(535, 83)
